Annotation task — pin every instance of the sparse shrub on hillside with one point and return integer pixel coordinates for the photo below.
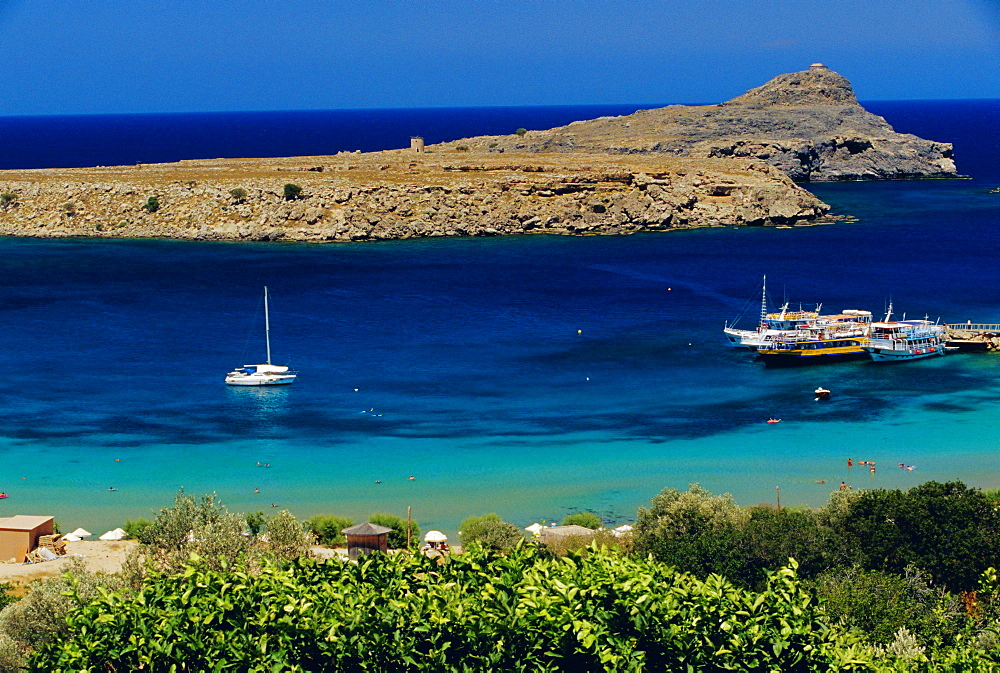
(239, 195)
(152, 204)
(69, 207)
(40, 616)
(521, 131)
(292, 192)
(8, 199)
(462, 148)
(327, 527)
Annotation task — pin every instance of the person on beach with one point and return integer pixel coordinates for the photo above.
(843, 486)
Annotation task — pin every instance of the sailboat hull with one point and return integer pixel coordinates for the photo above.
(259, 380)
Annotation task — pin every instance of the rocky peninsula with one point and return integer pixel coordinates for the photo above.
(398, 195)
(674, 168)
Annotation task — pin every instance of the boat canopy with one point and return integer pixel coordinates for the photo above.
(265, 369)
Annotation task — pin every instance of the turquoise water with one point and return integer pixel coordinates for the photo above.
(531, 376)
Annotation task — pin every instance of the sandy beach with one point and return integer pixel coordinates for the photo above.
(97, 555)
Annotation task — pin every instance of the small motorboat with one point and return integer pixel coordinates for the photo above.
(774, 420)
(822, 393)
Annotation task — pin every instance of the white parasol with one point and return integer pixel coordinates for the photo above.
(435, 536)
(116, 534)
(535, 528)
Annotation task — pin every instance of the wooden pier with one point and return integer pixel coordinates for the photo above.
(974, 337)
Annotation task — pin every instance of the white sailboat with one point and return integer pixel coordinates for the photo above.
(265, 374)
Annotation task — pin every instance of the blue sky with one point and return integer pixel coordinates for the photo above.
(107, 56)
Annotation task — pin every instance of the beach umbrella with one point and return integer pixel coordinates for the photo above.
(70, 538)
(535, 529)
(80, 533)
(435, 536)
(116, 534)
(621, 530)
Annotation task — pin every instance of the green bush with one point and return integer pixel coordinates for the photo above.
(327, 527)
(520, 611)
(585, 519)
(521, 131)
(948, 530)
(255, 522)
(135, 529)
(239, 195)
(152, 204)
(489, 531)
(69, 207)
(8, 198)
(879, 604)
(397, 538)
(462, 148)
(287, 538)
(292, 192)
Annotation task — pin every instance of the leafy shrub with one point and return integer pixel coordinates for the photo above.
(5, 597)
(585, 519)
(136, 529)
(287, 538)
(489, 531)
(494, 144)
(397, 538)
(292, 192)
(947, 529)
(327, 527)
(521, 131)
(69, 207)
(407, 612)
(239, 195)
(462, 148)
(203, 526)
(152, 204)
(879, 604)
(8, 199)
(255, 522)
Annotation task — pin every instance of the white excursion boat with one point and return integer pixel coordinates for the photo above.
(894, 341)
(798, 326)
(265, 374)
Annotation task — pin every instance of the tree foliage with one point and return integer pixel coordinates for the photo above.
(585, 519)
(239, 195)
(152, 204)
(521, 611)
(292, 192)
(947, 529)
(327, 527)
(397, 538)
(489, 531)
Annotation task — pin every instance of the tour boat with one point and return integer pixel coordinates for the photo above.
(265, 374)
(794, 325)
(894, 341)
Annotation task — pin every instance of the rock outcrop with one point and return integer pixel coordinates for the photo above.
(399, 195)
(808, 124)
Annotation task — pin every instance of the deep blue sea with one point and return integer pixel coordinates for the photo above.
(529, 376)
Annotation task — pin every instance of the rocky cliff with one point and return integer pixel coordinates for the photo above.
(808, 124)
(399, 194)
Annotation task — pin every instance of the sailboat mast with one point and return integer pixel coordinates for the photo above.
(267, 327)
(763, 303)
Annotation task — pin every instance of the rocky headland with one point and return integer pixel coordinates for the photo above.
(399, 195)
(808, 124)
(673, 168)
